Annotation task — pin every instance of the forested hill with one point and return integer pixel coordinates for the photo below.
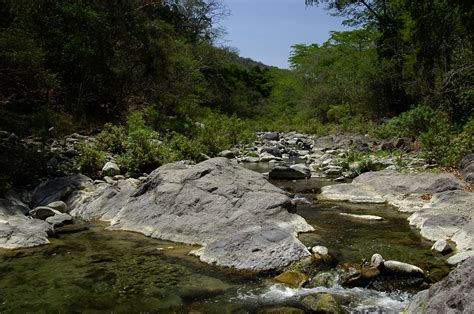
(95, 60)
(149, 76)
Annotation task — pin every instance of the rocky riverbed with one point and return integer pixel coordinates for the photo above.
(242, 221)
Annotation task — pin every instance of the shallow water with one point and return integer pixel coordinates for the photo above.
(96, 270)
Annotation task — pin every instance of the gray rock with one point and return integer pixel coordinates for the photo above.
(289, 173)
(56, 189)
(227, 154)
(43, 212)
(333, 171)
(239, 218)
(59, 206)
(110, 169)
(389, 182)
(59, 220)
(459, 258)
(441, 246)
(351, 192)
(454, 294)
(272, 150)
(4, 134)
(466, 166)
(401, 268)
(271, 136)
(18, 231)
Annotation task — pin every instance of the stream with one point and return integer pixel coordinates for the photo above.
(89, 269)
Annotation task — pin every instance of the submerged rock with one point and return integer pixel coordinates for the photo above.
(239, 218)
(321, 303)
(362, 217)
(362, 278)
(292, 278)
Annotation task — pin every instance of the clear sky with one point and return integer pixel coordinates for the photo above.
(265, 30)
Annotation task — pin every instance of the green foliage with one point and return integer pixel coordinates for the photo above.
(112, 138)
(411, 123)
(445, 147)
(90, 160)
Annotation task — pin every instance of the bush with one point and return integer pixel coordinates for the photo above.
(112, 139)
(90, 160)
(445, 147)
(411, 123)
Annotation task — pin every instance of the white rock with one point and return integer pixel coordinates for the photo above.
(111, 169)
(362, 217)
(441, 246)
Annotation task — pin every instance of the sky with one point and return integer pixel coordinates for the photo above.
(265, 30)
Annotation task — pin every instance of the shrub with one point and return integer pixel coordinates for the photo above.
(112, 139)
(411, 123)
(90, 160)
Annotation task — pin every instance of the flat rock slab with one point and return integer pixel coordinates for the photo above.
(239, 218)
(351, 192)
(441, 209)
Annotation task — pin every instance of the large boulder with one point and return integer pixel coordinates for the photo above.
(454, 294)
(17, 230)
(239, 218)
(294, 172)
(466, 166)
(58, 188)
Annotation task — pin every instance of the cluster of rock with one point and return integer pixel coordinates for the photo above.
(27, 220)
(441, 207)
(238, 217)
(323, 156)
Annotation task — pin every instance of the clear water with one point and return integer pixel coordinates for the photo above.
(96, 270)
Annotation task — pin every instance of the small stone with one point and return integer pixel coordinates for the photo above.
(119, 177)
(319, 249)
(376, 260)
(111, 169)
(441, 246)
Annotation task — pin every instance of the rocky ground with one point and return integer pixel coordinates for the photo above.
(238, 217)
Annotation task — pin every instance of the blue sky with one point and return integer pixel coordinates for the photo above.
(265, 30)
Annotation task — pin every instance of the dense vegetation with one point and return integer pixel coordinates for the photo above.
(149, 75)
